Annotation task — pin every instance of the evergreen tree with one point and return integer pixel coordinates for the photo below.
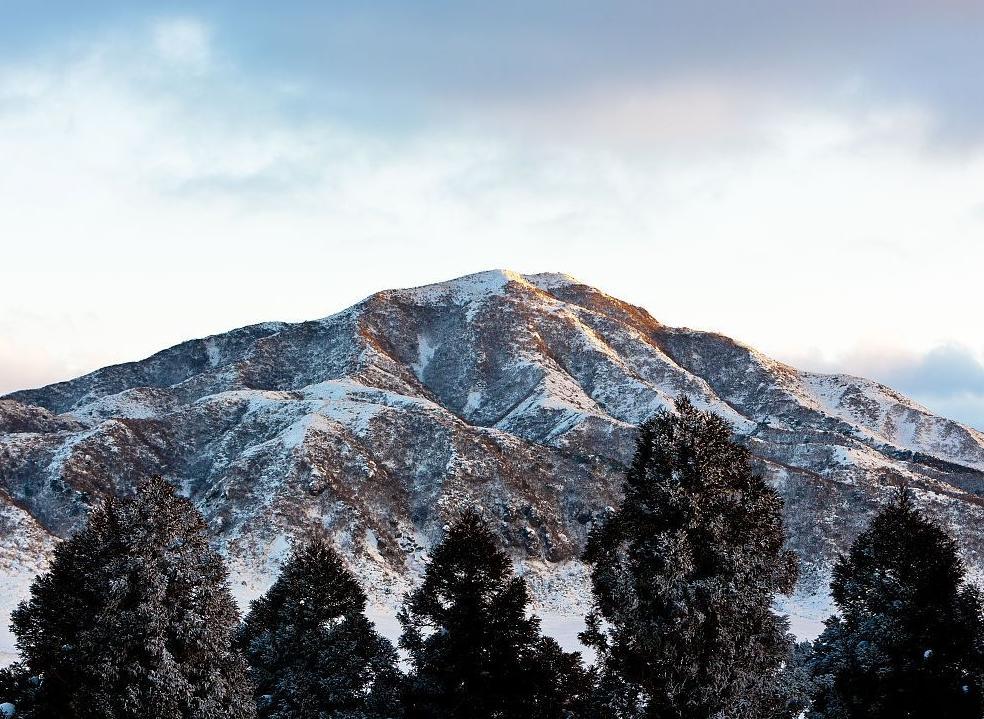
(909, 641)
(798, 685)
(684, 574)
(134, 618)
(313, 653)
(475, 650)
(17, 690)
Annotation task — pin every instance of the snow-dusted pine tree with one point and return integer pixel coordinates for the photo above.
(475, 651)
(684, 574)
(312, 651)
(17, 690)
(134, 618)
(909, 640)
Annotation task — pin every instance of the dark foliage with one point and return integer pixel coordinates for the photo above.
(684, 574)
(909, 641)
(134, 618)
(475, 651)
(798, 685)
(312, 651)
(18, 688)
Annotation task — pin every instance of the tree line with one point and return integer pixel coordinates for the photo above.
(135, 619)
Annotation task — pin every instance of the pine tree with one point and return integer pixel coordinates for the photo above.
(798, 685)
(683, 576)
(17, 690)
(313, 653)
(134, 618)
(909, 641)
(475, 651)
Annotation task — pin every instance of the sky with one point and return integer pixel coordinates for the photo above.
(807, 177)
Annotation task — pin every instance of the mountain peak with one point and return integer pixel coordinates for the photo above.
(480, 285)
(552, 280)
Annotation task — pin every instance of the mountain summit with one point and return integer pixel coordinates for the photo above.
(516, 393)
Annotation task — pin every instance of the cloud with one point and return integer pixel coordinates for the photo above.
(479, 62)
(171, 177)
(183, 42)
(592, 67)
(947, 371)
(948, 378)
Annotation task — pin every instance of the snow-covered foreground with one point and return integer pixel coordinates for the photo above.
(563, 586)
(561, 615)
(565, 627)
(8, 655)
(562, 627)
(13, 588)
(806, 615)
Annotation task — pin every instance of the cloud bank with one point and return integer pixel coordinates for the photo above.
(949, 379)
(794, 176)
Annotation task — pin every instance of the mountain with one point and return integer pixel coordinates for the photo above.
(518, 393)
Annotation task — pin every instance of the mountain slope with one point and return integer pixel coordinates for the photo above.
(519, 393)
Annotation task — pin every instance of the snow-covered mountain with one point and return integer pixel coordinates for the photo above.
(518, 393)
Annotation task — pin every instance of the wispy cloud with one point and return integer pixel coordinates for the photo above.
(948, 378)
(424, 61)
(394, 65)
(948, 371)
(753, 170)
(183, 41)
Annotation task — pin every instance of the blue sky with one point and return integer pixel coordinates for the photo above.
(805, 177)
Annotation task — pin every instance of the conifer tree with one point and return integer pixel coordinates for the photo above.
(134, 618)
(17, 690)
(475, 651)
(312, 651)
(683, 576)
(909, 640)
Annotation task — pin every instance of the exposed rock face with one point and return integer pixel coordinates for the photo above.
(516, 393)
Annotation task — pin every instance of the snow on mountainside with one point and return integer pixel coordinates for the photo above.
(518, 393)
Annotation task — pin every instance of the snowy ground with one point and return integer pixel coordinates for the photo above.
(13, 588)
(805, 615)
(8, 655)
(563, 628)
